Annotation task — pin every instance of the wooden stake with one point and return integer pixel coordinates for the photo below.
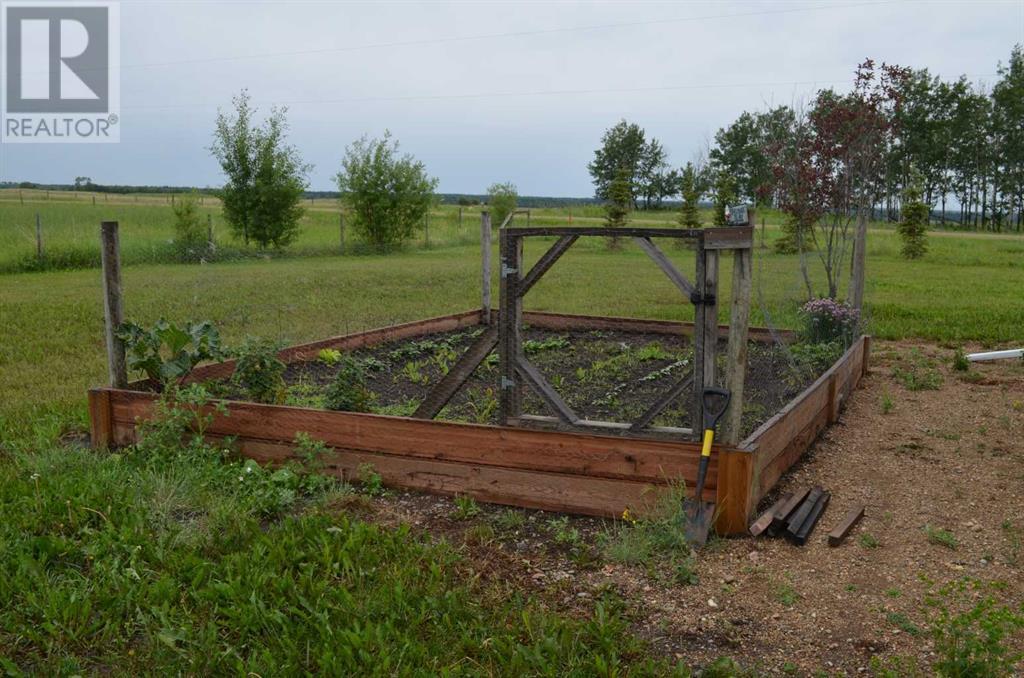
(739, 326)
(341, 231)
(110, 257)
(39, 237)
(460, 219)
(485, 260)
(209, 230)
(426, 229)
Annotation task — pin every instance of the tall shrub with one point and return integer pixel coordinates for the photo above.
(914, 220)
(620, 197)
(502, 199)
(266, 177)
(387, 194)
(689, 216)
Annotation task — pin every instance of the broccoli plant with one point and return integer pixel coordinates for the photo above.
(166, 352)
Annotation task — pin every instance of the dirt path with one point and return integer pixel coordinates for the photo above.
(949, 458)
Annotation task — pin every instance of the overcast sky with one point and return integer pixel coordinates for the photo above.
(485, 92)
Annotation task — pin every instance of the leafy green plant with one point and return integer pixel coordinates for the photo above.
(786, 594)
(329, 356)
(969, 629)
(940, 537)
(348, 391)
(887, 403)
(563, 532)
(259, 371)
(903, 623)
(917, 373)
(960, 361)
(482, 404)
(816, 357)
(372, 482)
(465, 508)
(510, 520)
(869, 541)
(413, 371)
(166, 352)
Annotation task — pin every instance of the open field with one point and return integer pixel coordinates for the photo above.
(70, 241)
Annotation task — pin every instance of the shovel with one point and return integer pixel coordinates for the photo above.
(699, 513)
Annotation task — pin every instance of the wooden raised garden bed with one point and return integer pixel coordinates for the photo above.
(557, 470)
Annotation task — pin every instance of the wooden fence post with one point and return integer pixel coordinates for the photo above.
(39, 237)
(341, 231)
(485, 260)
(460, 219)
(705, 331)
(739, 325)
(509, 326)
(209, 231)
(110, 257)
(426, 229)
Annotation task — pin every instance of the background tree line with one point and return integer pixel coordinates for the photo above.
(966, 141)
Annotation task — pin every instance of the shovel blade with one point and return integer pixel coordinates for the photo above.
(699, 515)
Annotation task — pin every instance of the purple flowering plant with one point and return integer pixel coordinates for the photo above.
(827, 320)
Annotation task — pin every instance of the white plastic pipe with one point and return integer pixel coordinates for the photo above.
(996, 355)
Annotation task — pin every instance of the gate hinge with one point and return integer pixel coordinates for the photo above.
(506, 271)
(507, 383)
(697, 298)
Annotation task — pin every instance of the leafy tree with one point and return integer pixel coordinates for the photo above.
(914, 220)
(1008, 114)
(725, 195)
(266, 177)
(387, 194)
(616, 209)
(625, 146)
(689, 216)
(82, 183)
(502, 199)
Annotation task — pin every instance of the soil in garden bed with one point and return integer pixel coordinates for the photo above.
(602, 375)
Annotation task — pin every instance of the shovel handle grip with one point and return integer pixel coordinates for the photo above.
(709, 439)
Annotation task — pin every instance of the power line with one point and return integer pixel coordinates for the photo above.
(524, 93)
(495, 36)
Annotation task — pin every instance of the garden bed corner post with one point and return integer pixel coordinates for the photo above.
(113, 311)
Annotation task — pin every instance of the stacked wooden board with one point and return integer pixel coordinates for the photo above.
(793, 515)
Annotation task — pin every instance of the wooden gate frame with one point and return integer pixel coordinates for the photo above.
(515, 370)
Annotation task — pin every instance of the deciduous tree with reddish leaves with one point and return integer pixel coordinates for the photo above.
(827, 171)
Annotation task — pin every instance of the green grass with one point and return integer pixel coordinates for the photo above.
(171, 559)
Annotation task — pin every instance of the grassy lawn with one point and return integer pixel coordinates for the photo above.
(171, 560)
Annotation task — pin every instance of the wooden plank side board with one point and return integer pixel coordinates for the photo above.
(636, 459)
(734, 498)
(585, 495)
(101, 425)
(738, 477)
(782, 440)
